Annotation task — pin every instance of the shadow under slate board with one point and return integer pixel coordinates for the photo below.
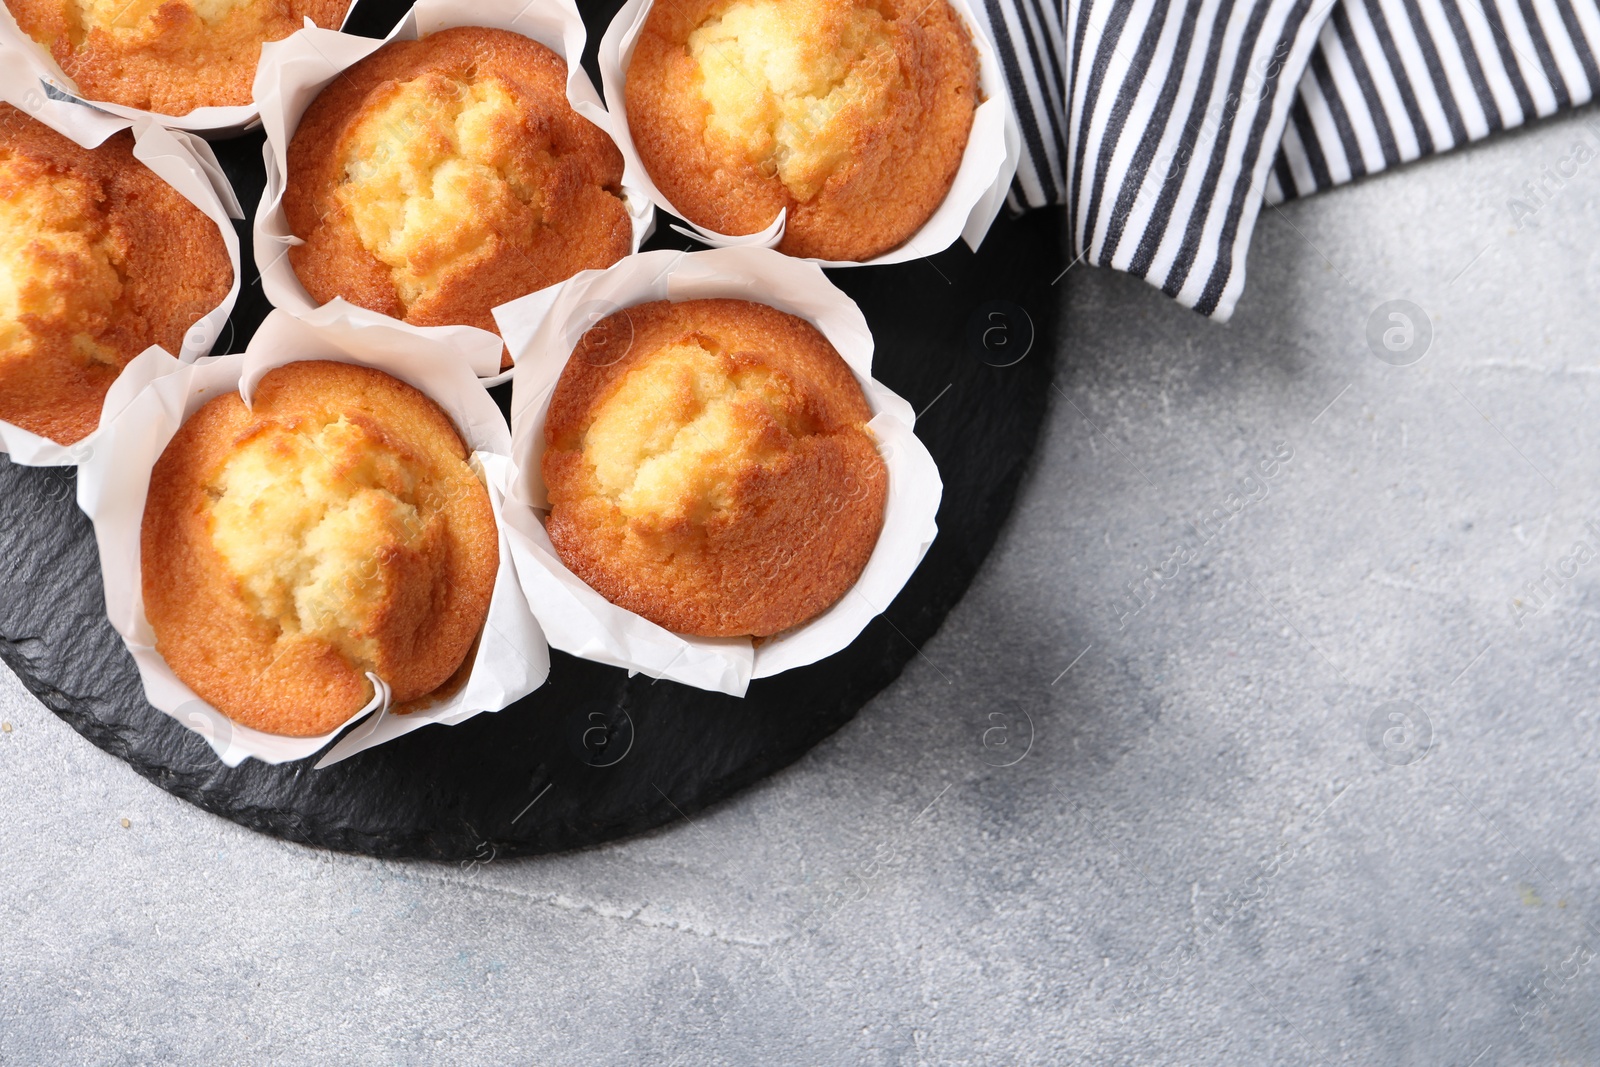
(593, 754)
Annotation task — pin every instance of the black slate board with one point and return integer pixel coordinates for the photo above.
(592, 755)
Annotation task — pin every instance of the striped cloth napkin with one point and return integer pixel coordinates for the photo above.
(1164, 127)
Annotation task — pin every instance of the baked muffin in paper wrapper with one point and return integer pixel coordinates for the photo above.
(34, 62)
(295, 70)
(510, 659)
(184, 162)
(994, 147)
(542, 331)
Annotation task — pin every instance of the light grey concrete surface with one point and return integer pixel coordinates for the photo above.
(1209, 855)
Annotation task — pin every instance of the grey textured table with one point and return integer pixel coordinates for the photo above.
(1323, 793)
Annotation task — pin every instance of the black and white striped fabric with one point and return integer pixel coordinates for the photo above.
(1164, 126)
(1393, 80)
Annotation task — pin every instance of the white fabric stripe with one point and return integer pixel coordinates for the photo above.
(1383, 80)
(1166, 158)
(1494, 71)
(1237, 168)
(1588, 16)
(1050, 13)
(1051, 124)
(1032, 91)
(1355, 101)
(1295, 152)
(1027, 181)
(1566, 56)
(1253, 172)
(1455, 71)
(1139, 117)
(1210, 125)
(1036, 95)
(1041, 43)
(1526, 55)
(1116, 73)
(1026, 188)
(1079, 82)
(1280, 103)
(1327, 133)
(1416, 74)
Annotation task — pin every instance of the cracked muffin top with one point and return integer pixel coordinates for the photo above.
(99, 259)
(331, 529)
(709, 467)
(167, 56)
(440, 177)
(851, 114)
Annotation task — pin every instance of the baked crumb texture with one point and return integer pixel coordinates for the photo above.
(334, 529)
(709, 467)
(99, 259)
(438, 178)
(167, 56)
(851, 114)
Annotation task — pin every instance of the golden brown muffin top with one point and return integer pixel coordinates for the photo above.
(99, 260)
(851, 114)
(168, 56)
(331, 529)
(440, 177)
(709, 467)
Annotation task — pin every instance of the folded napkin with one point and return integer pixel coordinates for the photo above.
(1163, 127)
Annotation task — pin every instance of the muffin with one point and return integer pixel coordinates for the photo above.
(168, 56)
(851, 114)
(440, 177)
(99, 260)
(709, 467)
(330, 529)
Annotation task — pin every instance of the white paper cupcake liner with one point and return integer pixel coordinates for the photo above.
(542, 330)
(511, 658)
(994, 147)
(293, 71)
(184, 162)
(34, 61)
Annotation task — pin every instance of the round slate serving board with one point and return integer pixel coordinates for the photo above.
(592, 755)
